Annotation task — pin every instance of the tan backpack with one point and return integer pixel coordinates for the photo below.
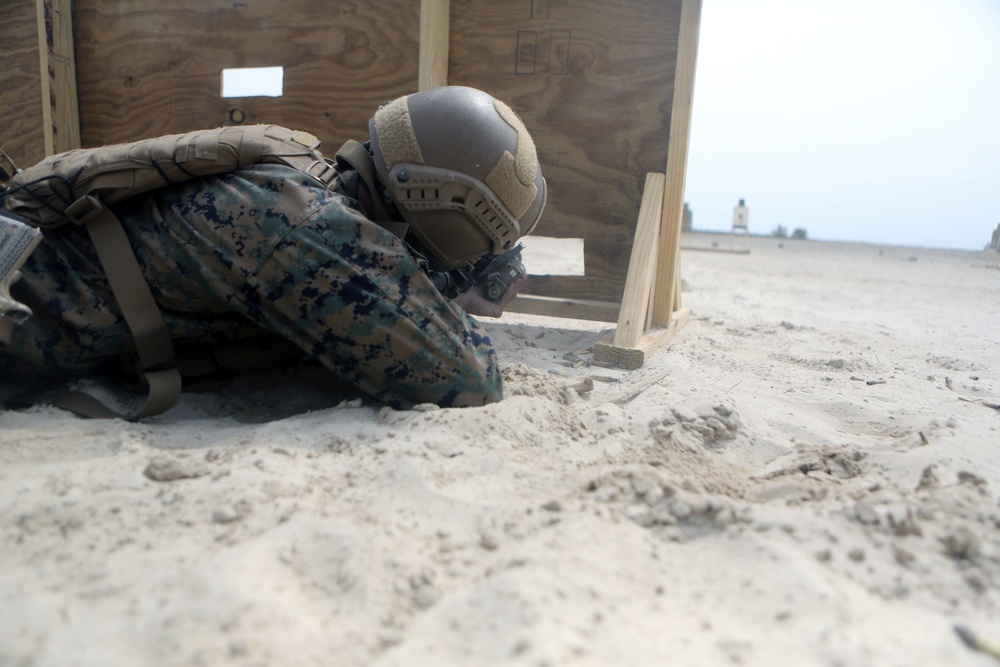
(78, 186)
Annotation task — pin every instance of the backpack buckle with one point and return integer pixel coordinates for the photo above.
(84, 210)
(323, 171)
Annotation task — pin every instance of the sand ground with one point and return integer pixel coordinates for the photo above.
(808, 475)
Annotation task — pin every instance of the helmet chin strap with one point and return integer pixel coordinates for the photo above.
(353, 155)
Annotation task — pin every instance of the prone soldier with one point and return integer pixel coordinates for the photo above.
(348, 275)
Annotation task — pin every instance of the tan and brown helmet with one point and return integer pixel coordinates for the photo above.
(461, 168)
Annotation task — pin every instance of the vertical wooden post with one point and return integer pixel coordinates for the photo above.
(60, 107)
(665, 301)
(677, 280)
(434, 27)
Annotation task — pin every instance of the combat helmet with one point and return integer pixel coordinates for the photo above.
(462, 170)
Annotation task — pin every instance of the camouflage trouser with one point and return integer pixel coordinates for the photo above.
(261, 250)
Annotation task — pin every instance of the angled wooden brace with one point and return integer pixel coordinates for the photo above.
(638, 331)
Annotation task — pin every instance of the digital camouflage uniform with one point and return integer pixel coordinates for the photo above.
(299, 261)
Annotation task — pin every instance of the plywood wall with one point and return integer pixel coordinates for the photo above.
(148, 67)
(593, 79)
(21, 128)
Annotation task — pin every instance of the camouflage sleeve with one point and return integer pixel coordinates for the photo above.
(349, 294)
(299, 261)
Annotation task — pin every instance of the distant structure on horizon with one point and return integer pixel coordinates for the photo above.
(994, 259)
(741, 217)
(687, 219)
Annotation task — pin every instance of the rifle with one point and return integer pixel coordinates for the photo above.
(17, 240)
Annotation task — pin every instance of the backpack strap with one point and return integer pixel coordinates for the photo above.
(355, 156)
(152, 340)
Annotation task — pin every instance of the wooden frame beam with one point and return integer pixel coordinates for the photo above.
(631, 358)
(435, 16)
(60, 107)
(575, 309)
(666, 297)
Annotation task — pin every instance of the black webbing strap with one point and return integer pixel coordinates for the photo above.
(356, 157)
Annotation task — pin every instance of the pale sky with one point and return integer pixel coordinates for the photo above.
(857, 120)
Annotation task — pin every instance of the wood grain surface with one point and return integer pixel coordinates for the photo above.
(21, 129)
(593, 81)
(148, 68)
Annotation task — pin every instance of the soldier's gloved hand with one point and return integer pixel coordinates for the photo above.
(474, 302)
